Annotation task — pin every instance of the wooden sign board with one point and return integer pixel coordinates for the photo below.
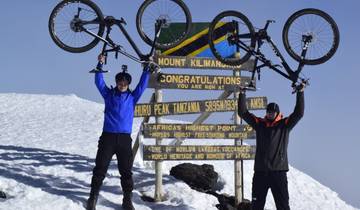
(194, 107)
(198, 63)
(197, 82)
(203, 152)
(200, 131)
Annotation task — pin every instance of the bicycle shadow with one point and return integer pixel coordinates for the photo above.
(43, 169)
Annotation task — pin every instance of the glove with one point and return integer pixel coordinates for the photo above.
(99, 66)
(101, 61)
(101, 58)
(300, 87)
(151, 67)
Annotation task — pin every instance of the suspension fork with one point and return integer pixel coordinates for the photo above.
(306, 40)
(255, 67)
(107, 37)
(159, 23)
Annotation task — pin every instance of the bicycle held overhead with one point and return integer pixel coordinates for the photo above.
(78, 25)
(310, 36)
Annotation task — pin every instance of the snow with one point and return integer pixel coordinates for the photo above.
(47, 148)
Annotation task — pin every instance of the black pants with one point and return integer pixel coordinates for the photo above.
(277, 182)
(110, 144)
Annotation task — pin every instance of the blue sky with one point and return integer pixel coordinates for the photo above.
(324, 144)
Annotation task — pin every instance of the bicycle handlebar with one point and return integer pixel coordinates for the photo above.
(268, 23)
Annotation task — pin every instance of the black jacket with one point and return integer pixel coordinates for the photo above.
(272, 137)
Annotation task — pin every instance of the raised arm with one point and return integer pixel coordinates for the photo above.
(99, 78)
(142, 85)
(243, 111)
(298, 111)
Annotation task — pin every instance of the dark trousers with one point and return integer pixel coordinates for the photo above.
(110, 144)
(277, 182)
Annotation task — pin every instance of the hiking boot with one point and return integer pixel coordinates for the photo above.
(91, 202)
(127, 203)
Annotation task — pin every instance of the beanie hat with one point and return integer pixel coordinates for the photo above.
(273, 107)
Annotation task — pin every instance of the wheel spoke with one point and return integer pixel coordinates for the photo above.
(317, 25)
(66, 27)
(171, 12)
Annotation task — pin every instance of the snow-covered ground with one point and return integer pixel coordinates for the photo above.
(47, 149)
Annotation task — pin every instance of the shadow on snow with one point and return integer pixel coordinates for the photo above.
(22, 165)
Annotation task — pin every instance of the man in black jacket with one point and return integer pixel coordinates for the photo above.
(271, 160)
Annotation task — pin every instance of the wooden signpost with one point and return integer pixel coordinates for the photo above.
(183, 56)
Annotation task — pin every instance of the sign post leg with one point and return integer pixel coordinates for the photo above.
(238, 164)
(158, 164)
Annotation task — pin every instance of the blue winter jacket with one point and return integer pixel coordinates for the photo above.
(120, 106)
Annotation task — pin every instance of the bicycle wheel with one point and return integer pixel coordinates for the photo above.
(176, 18)
(320, 27)
(231, 35)
(65, 21)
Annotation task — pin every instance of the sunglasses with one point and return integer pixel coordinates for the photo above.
(270, 112)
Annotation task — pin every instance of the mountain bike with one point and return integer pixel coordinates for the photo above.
(310, 36)
(78, 25)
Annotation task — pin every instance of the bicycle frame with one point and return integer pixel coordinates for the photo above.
(109, 21)
(263, 35)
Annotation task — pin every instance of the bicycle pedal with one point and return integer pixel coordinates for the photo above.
(247, 88)
(252, 88)
(98, 71)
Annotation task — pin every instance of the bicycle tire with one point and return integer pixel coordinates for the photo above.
(172, 39)
(225, 51)
(328, 48)
(91, 11)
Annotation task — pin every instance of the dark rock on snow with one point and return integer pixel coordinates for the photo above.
(199, 177)
(2, 194)
(203, 178)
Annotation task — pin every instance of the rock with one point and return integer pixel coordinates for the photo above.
(2, 194)
(204, 179)
(244, 205)
(200, 177)
(228, 203)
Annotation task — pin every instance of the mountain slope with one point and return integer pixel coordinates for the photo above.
(47, 150)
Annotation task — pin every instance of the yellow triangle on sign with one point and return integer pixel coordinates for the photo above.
(192, 39)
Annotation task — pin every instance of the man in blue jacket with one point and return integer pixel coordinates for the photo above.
(116, 136)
